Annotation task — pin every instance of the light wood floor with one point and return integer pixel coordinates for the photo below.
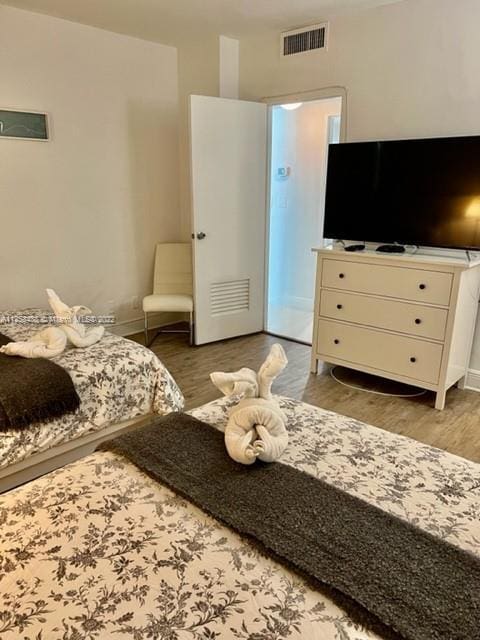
(456, 429)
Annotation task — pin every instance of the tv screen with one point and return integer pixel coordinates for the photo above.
(420, 192)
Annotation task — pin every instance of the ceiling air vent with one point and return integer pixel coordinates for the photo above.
(311, 38)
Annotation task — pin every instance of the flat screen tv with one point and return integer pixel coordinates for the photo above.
(420, 192)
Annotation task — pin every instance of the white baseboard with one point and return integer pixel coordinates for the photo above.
(155, 321)
(473, 380)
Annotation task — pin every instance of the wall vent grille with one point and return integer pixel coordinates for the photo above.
(311, 38)
(229, 297)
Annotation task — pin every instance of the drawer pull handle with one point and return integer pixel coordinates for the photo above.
(413, 359)
(339, 306)
(422, 286)
(336, 341)
(341, 275)
(418, 321)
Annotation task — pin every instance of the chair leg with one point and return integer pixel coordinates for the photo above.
(191, 328)
(146, 330)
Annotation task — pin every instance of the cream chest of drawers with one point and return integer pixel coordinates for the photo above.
(409, 318)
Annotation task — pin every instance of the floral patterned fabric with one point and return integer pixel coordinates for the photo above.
(430, 488)
(98, 550)
(116, 379)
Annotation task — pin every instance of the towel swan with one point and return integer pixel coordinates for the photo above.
(256, 425)
(51, 342)
(75, 331)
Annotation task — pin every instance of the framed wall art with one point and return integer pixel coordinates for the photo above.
(29, 125)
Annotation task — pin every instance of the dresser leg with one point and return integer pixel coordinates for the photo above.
(314, 365)
(440, 400)
(462, 382)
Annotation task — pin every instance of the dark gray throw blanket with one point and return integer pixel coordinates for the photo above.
(388, 575)
(32, 390)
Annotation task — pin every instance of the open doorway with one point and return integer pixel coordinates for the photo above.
(300, 135)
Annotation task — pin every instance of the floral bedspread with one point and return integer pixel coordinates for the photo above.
(116, 379)
(98, 550)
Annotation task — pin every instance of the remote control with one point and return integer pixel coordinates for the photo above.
(355, 247)
(391, 248)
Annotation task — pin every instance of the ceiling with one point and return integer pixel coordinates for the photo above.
(173, 21)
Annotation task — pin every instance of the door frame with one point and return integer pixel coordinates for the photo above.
(272, 101)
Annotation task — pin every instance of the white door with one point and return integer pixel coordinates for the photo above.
(228, 172)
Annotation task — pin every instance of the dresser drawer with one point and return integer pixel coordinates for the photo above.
(394, 282)
(400, 355)
(416, 320)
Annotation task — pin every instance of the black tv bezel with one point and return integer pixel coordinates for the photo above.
(473, 248)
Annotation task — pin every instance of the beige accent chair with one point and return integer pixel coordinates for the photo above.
(172, 285)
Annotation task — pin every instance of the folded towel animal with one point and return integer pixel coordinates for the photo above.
(75, 331)
(46, 344)
(52, 341)
(273, 366)
(91, 336)
(256, 429)
(241, 382)
(66, 313)
(256, 426)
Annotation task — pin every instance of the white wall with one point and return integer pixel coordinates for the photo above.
(198, 74)
(207, 66)
(411, 69)
(82, 212)
(229, 67)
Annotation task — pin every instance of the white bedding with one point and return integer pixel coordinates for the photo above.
(98, 550)
(116, 380)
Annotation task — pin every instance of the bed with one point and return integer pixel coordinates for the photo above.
(121, 384)
(99, 550)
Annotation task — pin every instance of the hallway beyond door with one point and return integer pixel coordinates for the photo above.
(300, 135)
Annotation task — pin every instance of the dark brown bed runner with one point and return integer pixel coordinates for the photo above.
(32, 390)
(388, 575)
